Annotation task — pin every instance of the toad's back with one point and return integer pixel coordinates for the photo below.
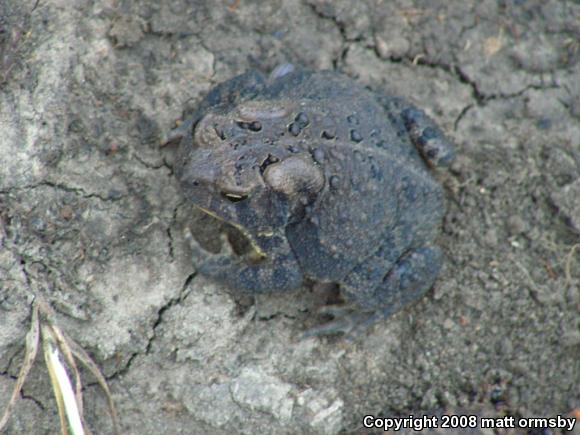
(377, 185)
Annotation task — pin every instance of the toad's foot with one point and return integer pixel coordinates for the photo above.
(408, 280)
(433, 145)
(277, 274)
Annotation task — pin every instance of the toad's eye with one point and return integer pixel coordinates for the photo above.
(234, 197)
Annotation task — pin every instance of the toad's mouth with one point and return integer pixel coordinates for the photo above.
(240, 241)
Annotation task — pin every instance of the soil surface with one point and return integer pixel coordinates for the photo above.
(92, 221)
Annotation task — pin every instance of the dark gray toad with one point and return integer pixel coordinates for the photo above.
(325, 181)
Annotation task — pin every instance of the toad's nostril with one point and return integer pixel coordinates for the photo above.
(219, 132)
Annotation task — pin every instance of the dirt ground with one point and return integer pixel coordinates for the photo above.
(91, 218)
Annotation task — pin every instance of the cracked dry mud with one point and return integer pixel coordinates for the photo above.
(90, 216)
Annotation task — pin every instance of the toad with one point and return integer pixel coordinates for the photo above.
(325, 181)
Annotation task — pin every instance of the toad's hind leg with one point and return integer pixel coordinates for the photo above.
(408, 280)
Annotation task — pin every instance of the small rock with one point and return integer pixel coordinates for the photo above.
(516, 225)
(324, 414)
(262, 392)
(448, 324)
(395, 47)
(126, 31)
(566, 199)
(490, 237)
